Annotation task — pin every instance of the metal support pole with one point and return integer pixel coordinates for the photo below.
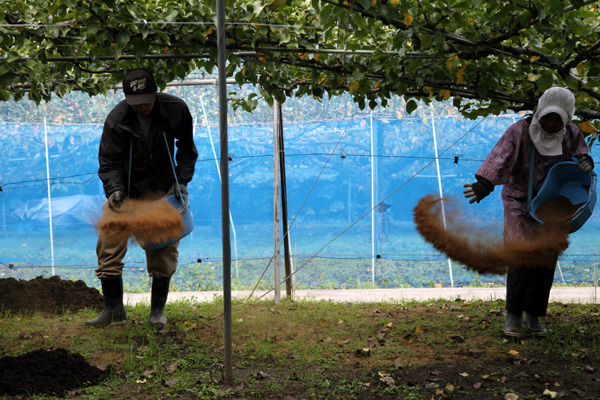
(374, 233)
(349, 200)
(222, 86)
(276, 205)
(560, 271)
(284, 210)
(437, 164)
(212, 145)
(49, 195)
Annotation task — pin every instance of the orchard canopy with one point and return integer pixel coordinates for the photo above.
(488, 56)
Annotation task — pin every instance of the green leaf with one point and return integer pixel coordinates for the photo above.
(6, 79)
(411, 106)
(546, 81)
(12, 56)
(164, 36)
(123, 38)
(578, 26)
(171, 14)
(572, 83)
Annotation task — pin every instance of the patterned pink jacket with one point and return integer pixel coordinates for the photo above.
(508, 165)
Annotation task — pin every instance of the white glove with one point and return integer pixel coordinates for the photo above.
(115, 201)
(586, 163)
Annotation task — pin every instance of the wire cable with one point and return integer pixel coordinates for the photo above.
(368, 212)
(309, 192)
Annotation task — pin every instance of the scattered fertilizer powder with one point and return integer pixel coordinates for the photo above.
(150, 221)
(481, 251)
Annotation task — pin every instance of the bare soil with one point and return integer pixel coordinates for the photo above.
(48, 296)
(54, 372)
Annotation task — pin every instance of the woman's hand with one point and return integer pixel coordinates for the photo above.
(586, 163)
(470, 193)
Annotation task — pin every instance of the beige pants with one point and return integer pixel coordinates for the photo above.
(111, 250)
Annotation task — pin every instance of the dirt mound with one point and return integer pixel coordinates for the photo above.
(53, 372)
(47, 296)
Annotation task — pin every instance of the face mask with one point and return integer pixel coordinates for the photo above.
(549, 135)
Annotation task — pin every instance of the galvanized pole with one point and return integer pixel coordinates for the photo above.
(222, 87)
(374, 226)
(284, 210)
(276, 205)
(437, 165)
(49, 195)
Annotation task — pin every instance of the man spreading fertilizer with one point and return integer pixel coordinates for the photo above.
(136, 163)
(548, 137)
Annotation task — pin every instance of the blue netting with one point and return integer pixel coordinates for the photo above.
(345, 192)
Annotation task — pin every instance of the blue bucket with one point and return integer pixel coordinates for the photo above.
(567, 180)
(183, 207)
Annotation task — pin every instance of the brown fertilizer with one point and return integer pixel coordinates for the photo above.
(557, 210)
(480, 251)
(150, 221)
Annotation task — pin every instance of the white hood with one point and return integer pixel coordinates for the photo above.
(554, 100)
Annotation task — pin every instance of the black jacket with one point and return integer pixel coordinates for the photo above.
(151, 168)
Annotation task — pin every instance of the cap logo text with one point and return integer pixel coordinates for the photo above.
(138, 84)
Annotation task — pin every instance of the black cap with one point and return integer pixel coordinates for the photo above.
(139, 87)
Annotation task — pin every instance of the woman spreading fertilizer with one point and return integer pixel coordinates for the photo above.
(555, 139)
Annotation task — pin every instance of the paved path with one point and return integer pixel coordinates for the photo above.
(562, 294)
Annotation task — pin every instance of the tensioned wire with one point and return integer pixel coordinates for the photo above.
(377, 205)
(306, 198)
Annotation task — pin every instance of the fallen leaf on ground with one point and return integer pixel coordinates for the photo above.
(513, 352)
(149, 371)
(456, 338)
(410, 338)
(589, 369)
(322, 322)
(260, 375)
(476, 353)
(388, 380)
(477, 385)
(340, 342)
(273, 311)
(579, 393)
(549, 393)
(511, 396)
(141, 381)
(449, 387)
(435, 372)
(365, 352)
(464, 374)
(171, 382)
(73, 393)
(418, 330)
(400, 362)
(172, 367)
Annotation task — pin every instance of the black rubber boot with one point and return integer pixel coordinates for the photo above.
(160, 292)
(114, 310)
(512, 326)
(533, 325)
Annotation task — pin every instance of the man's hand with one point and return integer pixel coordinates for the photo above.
(182, 188)
(586, 163)
(470, 193)
(115, 201)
